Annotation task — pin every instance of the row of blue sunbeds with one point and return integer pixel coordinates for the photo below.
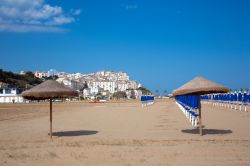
(147, 100)
(189, 105)
(235, 101)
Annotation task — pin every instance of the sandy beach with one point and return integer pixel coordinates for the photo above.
(124, 133)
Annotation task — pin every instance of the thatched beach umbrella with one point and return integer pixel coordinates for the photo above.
(49, 90)
(200, 86)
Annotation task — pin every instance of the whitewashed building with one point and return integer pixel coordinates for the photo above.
(122, 76)
(133, 85)
(10, 94)
(99, 82)
(52, 73)
(122, 85)
(136, 93)
(105, 85)
(40, 74)
(87, 93)
(69, 83)
(22, 72)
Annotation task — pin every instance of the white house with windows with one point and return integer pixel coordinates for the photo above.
(10, 94)
(52, 72)
(105, 85)
(133, 84)
(69, 82)
(40, 74)
(122, 86)
(133, 93)
(87, 93)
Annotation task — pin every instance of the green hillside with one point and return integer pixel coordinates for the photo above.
(22, 81)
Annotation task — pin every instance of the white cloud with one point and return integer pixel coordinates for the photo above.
(130, 7)
(129, 4)
(33, 15)
(60, 20)
(29, 28)
(76, 12)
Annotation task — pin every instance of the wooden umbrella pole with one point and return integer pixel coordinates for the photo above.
(51, 118)
(200, 122)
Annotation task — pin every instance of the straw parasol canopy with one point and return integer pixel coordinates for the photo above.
(200, 86)
(49, 90)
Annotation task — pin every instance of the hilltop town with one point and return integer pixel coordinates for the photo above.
(102, 85)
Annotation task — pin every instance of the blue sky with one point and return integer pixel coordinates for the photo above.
(160, 43)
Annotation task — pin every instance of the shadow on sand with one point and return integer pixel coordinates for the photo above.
(74, 133)
(207, 131)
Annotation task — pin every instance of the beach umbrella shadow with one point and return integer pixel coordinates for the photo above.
(207, 131)
(75, 133)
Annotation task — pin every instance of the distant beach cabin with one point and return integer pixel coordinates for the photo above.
(10, 94)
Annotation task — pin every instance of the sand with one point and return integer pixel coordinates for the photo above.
(124, 133)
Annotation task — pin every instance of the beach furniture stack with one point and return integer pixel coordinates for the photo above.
(49, 90)
(189, 105)
(234, 100)
(197, 87)
(147, 100)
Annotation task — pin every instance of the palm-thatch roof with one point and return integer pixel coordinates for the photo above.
(200, 86)
(49, 89)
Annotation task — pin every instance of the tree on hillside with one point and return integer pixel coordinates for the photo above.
(99, 96)
(29, 74)
(83, 86)
(55, 77)
(120, 95)
(132, 96)
(21, 81)
(145, 91)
